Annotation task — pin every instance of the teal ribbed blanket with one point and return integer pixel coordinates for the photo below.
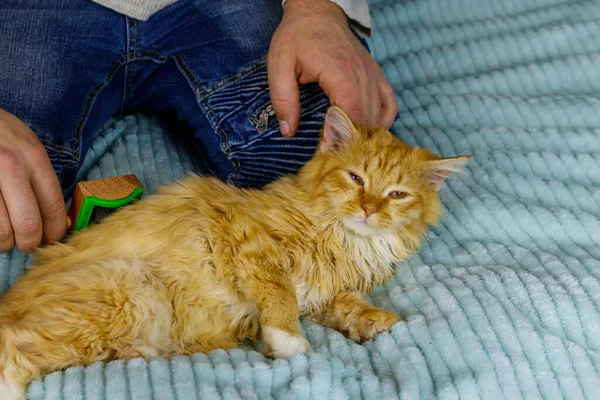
(503, 301)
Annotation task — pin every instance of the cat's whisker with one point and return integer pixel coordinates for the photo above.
(314, 230)
(328, 214)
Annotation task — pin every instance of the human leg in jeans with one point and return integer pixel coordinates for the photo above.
(54, 58)
(211, 71)
(202, 61)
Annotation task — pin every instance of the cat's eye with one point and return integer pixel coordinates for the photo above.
(357, 179)
(397, 195)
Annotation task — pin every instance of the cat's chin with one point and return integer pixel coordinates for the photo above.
(360, 227)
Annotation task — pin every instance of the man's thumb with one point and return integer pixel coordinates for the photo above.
(285, 97)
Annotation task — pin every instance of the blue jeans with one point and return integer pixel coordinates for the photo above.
(69, 66)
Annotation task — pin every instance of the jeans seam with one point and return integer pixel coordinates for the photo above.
(188, 73)
(59, 149)
(222, 84)
(56, 148)
(179, 59)
(125, 72)
(131, 74)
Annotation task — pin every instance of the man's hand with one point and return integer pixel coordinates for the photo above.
(314, 43)
(31, 202)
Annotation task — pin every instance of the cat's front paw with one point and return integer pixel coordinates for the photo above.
(281, 344)
(372, 322)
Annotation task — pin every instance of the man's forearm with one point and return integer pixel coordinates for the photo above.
(357, 12)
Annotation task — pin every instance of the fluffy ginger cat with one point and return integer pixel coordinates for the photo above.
(204, 265)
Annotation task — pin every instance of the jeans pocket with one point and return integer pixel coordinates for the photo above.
(252, 139)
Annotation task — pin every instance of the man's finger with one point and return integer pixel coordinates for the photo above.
(375, 106)
(49, 198)
(389, 104)
(21, 205)
(285, 95)
(7, 240)
(363, 99)
(346, 94)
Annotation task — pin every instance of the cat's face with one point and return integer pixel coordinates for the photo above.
(372, 182)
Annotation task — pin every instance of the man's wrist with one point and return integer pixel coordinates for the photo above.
(352, 12)
(314, 7)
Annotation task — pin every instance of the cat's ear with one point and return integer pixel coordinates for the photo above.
(338, 130)
(436, 171)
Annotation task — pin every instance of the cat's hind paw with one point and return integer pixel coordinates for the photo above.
(372, 322)
(281, 344)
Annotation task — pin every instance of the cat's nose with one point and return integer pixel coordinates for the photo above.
(369, 209)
